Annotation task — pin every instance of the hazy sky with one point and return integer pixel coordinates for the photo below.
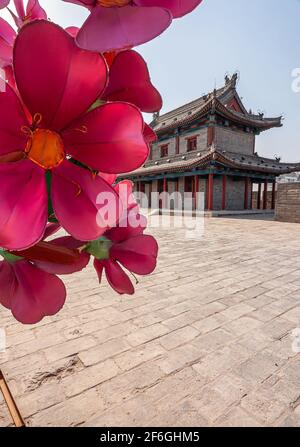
(259, 38)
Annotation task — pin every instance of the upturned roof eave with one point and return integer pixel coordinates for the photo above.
(206, 159)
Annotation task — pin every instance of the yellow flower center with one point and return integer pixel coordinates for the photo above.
(110, 3)
(45, 148)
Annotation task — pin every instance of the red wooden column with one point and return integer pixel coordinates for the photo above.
(265, 202)
(273, 195)
(150, 194)
(246, 200)
(251, 195)
(259, 197)
(210, 192)
(195, 192)
(165, 185)
(224, 191)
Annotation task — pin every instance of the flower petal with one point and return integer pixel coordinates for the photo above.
(23, 198)
(110, 178)
(129, 80)
(84, 204)
(115, 28)
(149, 134)
(7, 37)
(116, 276)
(178, 8)
(8, 284)
(4, 3)
(137, 254)
(52, 73)
(37, 294)
(127, 228)
(65, 269)
(113, 140)
(12, 120)
(52, 228)
(34, 11)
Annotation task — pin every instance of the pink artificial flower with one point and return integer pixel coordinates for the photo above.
(33, 11)
(129, 80)
(123, 245)
(32, 292)
(7, 38)
(135, 251)
(4, 3)
(57, 88)
(118, 24)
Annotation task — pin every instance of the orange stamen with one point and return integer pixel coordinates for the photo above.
(111, 3)
(45, 148)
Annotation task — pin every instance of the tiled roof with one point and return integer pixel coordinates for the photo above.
(218, 99)
(228, 159)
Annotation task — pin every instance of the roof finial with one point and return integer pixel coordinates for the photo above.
(155, 116)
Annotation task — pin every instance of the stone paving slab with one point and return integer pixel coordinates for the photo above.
(206, 340)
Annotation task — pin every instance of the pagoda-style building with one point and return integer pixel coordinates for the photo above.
(208, 146)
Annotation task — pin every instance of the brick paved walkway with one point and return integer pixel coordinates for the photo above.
(205, 341)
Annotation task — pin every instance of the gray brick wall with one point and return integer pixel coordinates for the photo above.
(288, 202)
(201, 143)
(235, 141)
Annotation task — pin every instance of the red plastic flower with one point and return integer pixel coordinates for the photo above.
(118, 24)
(30, 289)
(57, 88)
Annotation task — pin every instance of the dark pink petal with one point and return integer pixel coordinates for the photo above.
(84, 204)
(108, 29)
(19, 5)
(37, 294)
(109, 138)
(8, 284)
(34, 11)
(65, 269)
(12, 121)
(55, 78)
(23, 199)
(178, 8)
(125, 192)
(116, 276)
(137, 254)
(72, 30)
(51, 229)
(99, 266)
(7, 37)
(10, 77)
(125, 231)
(149, 134)
(110, 178)
(129, 80)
